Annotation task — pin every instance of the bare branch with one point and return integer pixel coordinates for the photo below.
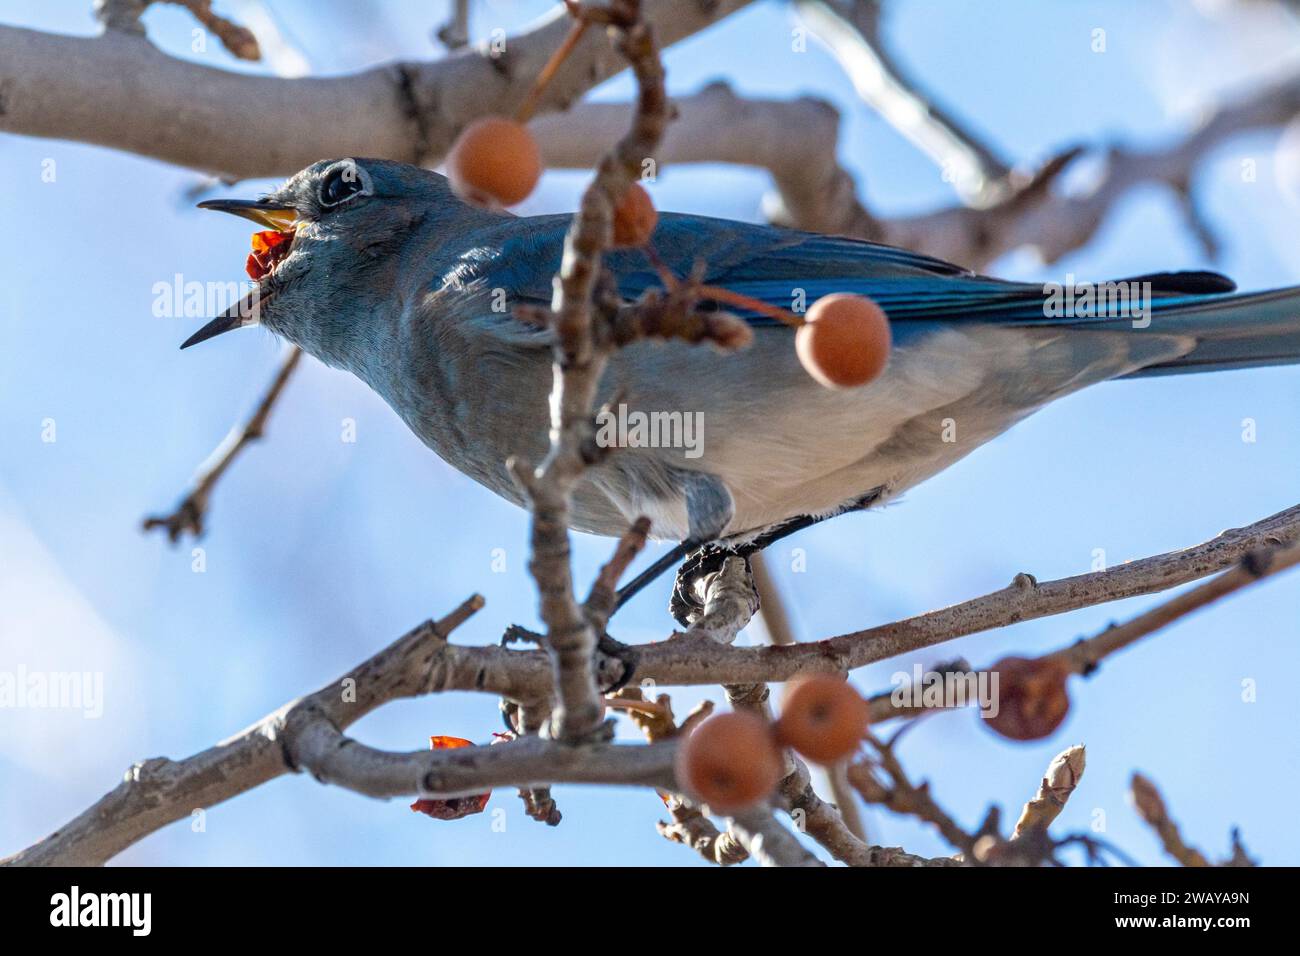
(307, 734)
(851, 28)
(683, 661)
(1151, 808)
(1083, 656)
(454, 34)
(729, 601)
(692, 828)
(795, 140)
(158, 792)
(603, 597)
(767, 841)
(238, 40)
(902, 796)
(580, 352)
(118, 90)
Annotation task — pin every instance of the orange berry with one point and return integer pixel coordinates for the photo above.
(1032, 699)
(844, 341)
(730, 761)
(635, 218)
(823, 718)
(494, 160)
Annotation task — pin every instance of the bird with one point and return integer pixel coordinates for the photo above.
(391, 276)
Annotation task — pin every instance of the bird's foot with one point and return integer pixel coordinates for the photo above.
(693, 577)
(615, 661)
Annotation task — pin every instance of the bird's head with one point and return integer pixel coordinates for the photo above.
(327, 252)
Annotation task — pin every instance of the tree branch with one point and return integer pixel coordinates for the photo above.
(581, 348)
(686, 661)
(157, 792)
(120, 91)
(851, 28)
(307, 734)
(759, 831)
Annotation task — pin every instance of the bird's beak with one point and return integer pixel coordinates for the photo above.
(267, 214)
(247, 311)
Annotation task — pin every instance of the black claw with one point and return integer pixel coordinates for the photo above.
(707, 560)
(623, 653)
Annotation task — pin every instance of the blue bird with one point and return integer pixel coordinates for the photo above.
(393, 278)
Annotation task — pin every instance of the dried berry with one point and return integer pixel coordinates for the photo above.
(452, 808)
(1032, 698)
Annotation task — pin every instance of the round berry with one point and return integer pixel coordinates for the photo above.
(823, 718)
(844, 341)
(494, 161)
(730, 761)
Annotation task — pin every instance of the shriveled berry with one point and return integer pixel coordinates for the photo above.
(452, 808)
(1032, 697)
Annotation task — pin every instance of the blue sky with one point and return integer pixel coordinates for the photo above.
(320, 551)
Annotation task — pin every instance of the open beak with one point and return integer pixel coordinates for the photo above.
(247, 311)
(266, 214)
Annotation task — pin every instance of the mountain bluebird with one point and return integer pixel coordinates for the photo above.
(392, 277)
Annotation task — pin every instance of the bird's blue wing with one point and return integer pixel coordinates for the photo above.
(791, 270)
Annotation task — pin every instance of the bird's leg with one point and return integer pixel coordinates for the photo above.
(709, 510)
(629, 590)
(688, 592)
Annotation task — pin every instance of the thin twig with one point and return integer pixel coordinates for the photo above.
(580, 352)
(1083, 656)
(759, 831)
(851, 28)
(454, 34)
(1063, 775)
(903, 796)
(1151, 808)
(191, 513)
(238, 40)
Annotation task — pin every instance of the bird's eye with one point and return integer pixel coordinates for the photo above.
(341, 184)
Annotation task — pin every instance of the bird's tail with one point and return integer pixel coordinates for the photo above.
(1245, 330)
